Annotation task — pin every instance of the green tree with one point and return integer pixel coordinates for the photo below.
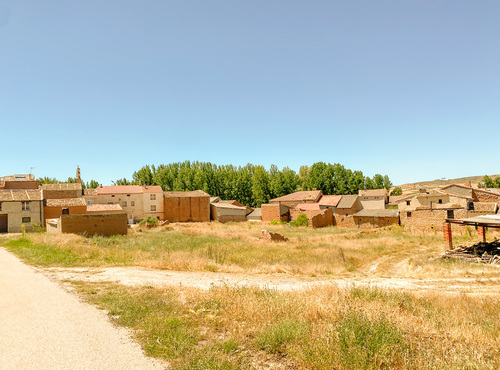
(48, 180)
(397, 191)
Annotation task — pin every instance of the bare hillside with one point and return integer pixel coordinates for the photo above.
(442, 182)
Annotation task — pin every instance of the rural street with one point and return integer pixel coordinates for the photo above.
(42, 326)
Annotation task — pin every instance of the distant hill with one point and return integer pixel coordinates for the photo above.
(439, 182)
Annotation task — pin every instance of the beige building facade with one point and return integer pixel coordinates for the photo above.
(18, 208)
(137, 201)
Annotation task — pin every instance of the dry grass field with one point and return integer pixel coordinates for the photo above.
(317, 327)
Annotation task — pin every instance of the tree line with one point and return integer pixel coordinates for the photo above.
(253, 185)
(488, 182)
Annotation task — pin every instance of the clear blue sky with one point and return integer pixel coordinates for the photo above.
(410, 89)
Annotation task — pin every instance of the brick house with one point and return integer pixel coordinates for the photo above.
(291, 200)
(19, 182)
(62, 191)
(184, 206)
(55, 208)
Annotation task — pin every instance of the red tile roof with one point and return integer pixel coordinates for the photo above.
(330, 200)
(299, 196)
(308, 207)
(104, 208)
(67, 202)
(128, 189)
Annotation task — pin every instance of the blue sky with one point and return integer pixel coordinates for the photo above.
(410, 89)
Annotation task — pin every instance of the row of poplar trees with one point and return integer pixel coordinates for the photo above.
(253, 185)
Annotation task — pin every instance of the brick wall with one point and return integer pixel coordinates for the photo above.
(89, 225)
(271, 212)
(56, 212)
(485, 197)
(62, 194)
(231, 218)
(184, 209)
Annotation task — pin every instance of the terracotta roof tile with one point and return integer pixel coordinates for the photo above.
(299, 196)
(104, 208)
(20, 195)
(128, 189)
(330, 200)
(68, 202)
(308, 207)
(186, 194)
(62, 186)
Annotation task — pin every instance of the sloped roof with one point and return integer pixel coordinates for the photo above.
(20, 195)
(68, 202)
(377, 213)
(257, 212)
(373, 193)
(18, 177)
(104, 207)
(128, 189)
(393, 199)
(90, 191)
(347, 201)
(299, 196)
(330, 200)
(431, 193)
(308, 207)
(459, 189)
(185, 194)
(227, 205)
(62, 186)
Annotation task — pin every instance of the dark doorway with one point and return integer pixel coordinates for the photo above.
(4, 223)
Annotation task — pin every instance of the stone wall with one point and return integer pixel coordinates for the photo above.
(56, 212)
(367, 222)
(89, 225)
(62, 194)
(341, 220)
(427, 219)
(322, 220)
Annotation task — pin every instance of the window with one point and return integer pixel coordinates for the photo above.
(153, 208)
(152, 196)
(0, 207)
(440, 201)
(132, 203)
(408, 214)
(65, 211)
(89, 202)
(407, 202)
(124, 204)
(451, 213)
(112, 196)
(470, 206)
(25, 206)
(26, 220)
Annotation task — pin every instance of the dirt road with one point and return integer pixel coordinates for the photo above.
(42, 326)
(137, 276)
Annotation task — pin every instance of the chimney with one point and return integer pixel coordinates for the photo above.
(78, 178)
(468, 184)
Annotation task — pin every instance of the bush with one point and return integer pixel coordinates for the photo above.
(150, 221)
(275, 222)
(275, 338)
(301, 220)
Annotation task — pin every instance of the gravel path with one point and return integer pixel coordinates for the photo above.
(42, 326)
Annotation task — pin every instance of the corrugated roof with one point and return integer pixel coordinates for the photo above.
(330, 200)
(377, 213)
(308, 207)
(63, 186)
(20, 195)
(104, 207)
(347, 201)
(68, 202)
(186, 194)
(299, 196)
(128, 189)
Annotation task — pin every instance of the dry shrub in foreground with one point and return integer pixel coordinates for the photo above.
(320, 328)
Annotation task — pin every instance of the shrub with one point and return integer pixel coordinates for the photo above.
(301, 220)
(275, 222)
(275, 338)
(149, 221)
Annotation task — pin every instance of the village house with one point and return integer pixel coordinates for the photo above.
(226, 211)
(345, 210)
(184, 206)
(62, 190)
(373, 198)
(20, 208)
(19, 182)
(138, 201)
(376, 218)
(55, 208)
(329, 201)
(255, 215)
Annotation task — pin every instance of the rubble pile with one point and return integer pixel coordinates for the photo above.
(479, 253)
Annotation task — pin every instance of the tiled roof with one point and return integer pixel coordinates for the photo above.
(214, 199)
(68, 202)
(458, 189)
(393, 199)
(128, 189)
(18, 178)
(299, 196)
(104, 207)
(377, 213)
(20, 195)
(227, 205)
(347, 201)
(330, 200)
(257, 212)
(373, 193)
(185, 194)
(90, 191)
(431, 193)
(63, 186)
(308, 207)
